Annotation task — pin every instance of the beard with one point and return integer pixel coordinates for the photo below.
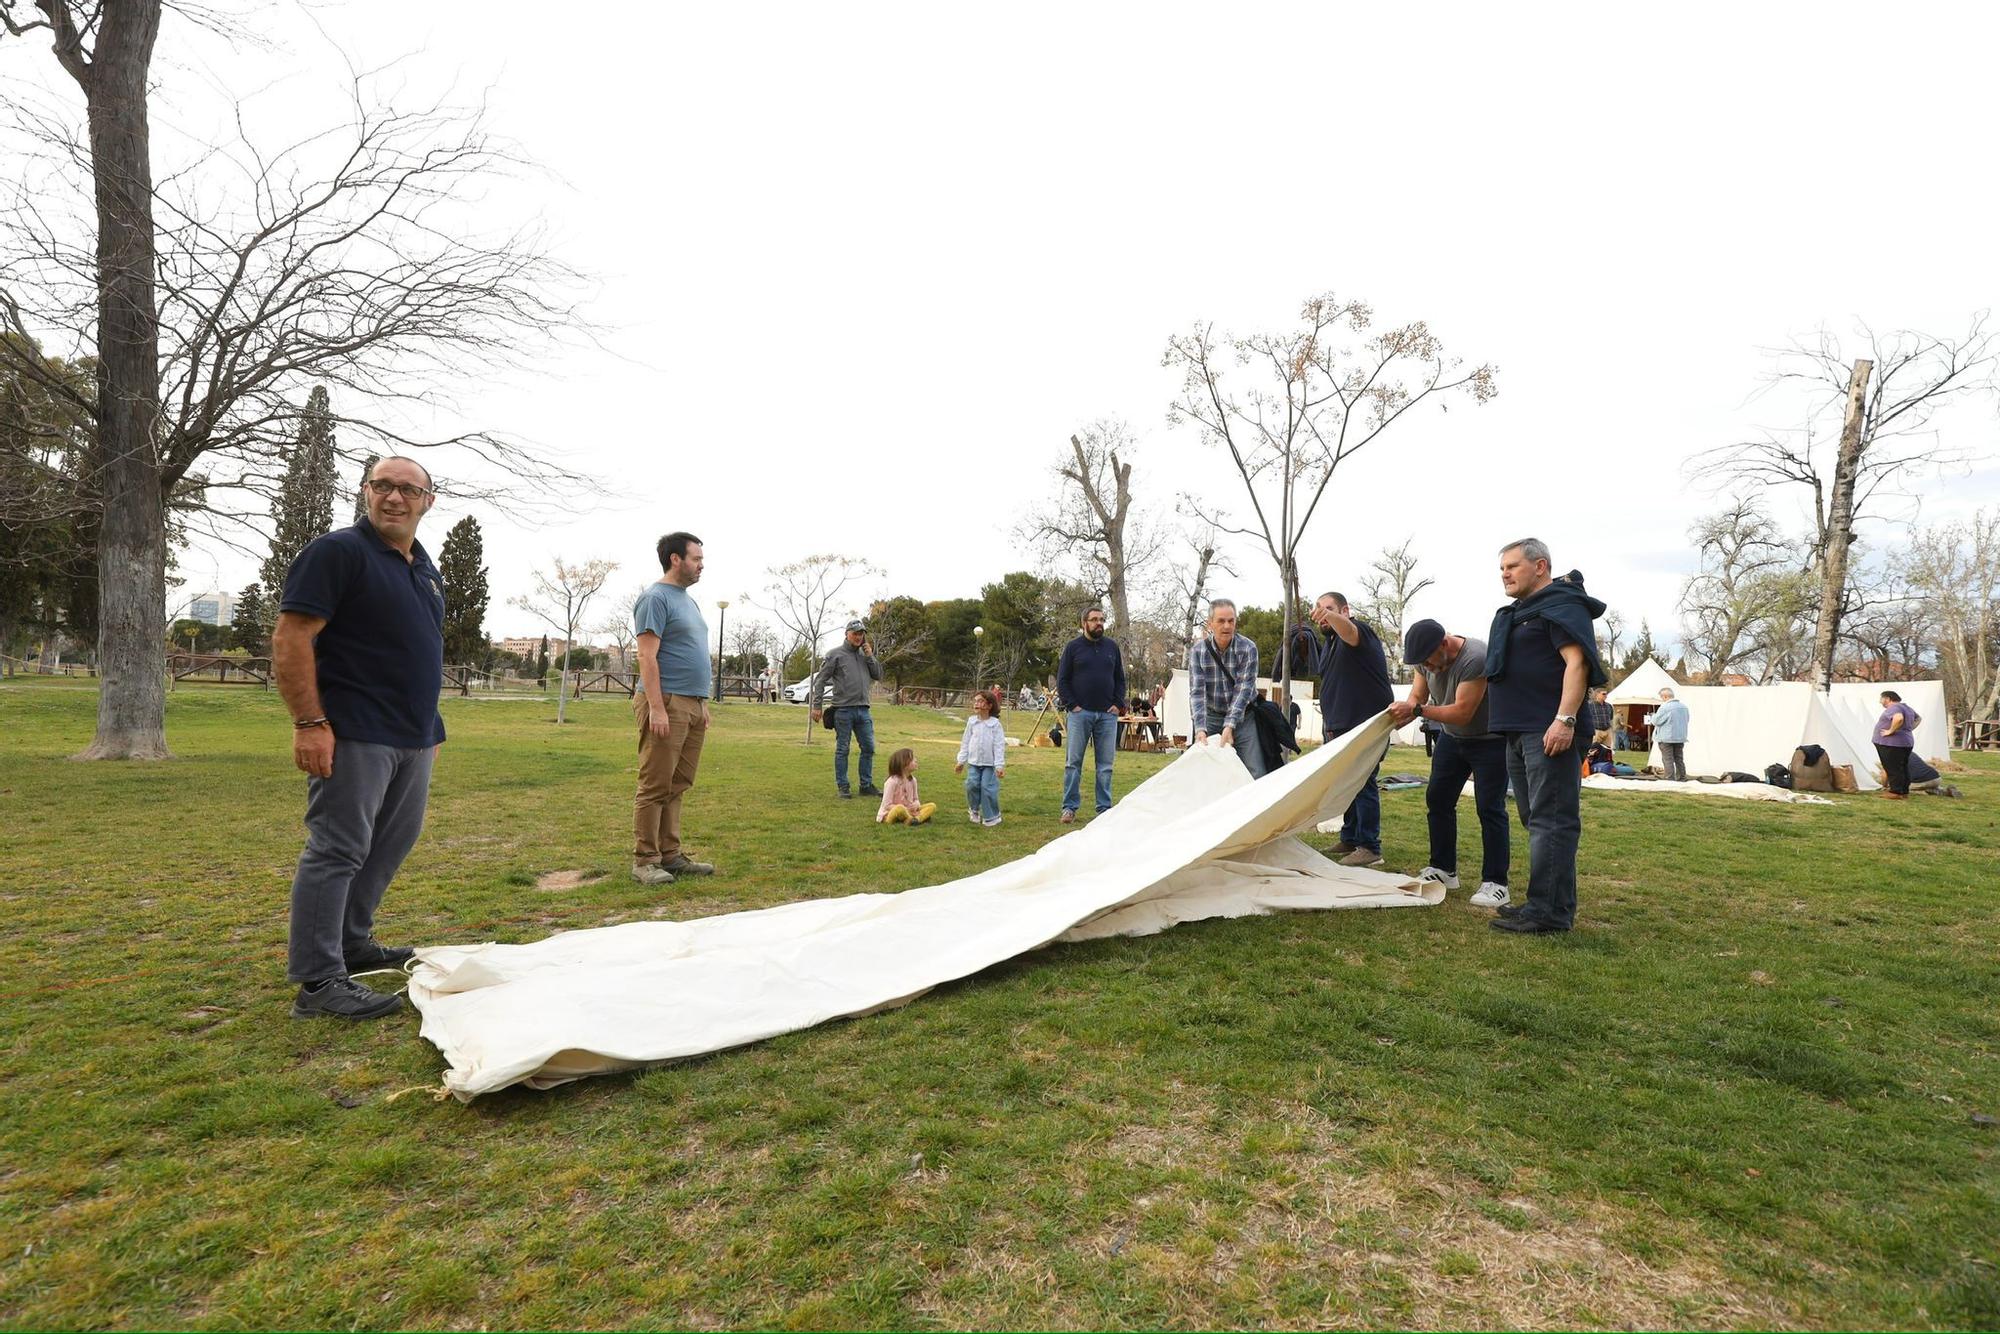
(1097, 633)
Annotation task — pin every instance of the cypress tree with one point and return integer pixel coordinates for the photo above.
(304, 509)
(542, 660)
(465, 593)
(361, 501)
(250, 627)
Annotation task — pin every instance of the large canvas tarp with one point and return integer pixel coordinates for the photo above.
(1198, 840)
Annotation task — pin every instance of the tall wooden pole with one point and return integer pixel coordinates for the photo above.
(1840, 528)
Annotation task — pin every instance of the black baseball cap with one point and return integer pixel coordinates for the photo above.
(1420, 641)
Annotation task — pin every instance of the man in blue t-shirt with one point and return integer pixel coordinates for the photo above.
(1541, 656)
(1354, 686)
(671, 710)
(359, 656)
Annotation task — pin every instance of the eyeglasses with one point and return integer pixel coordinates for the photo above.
(407, 490)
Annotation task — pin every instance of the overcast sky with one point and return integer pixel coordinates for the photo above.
(866, 267)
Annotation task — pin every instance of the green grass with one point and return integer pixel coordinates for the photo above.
(1741, 1093)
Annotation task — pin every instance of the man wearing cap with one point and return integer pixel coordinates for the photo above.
(851, 670)
(1450, 692)
(1353, 687)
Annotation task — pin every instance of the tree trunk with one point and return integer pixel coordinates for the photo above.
(131, 561)
(562, 681)
(1840, 525)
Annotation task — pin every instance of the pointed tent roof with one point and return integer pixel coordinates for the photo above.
(1644, 685)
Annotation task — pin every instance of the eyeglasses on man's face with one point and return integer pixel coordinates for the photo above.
(407, 490)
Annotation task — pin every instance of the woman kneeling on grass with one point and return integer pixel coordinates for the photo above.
(982, 758)
(900, 802)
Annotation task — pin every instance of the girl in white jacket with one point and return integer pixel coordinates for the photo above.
(982, 758)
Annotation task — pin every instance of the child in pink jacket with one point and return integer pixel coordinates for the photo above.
(900, 802)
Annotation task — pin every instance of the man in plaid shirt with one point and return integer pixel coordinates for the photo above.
(1222, 680)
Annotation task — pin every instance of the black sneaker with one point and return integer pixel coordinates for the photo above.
(376, 955)
(845, 795)
(343, 998)
(1527, 924)
(1512, 910)
(870, 790)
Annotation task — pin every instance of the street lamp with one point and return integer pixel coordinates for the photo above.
(722, 630)
(978, 658)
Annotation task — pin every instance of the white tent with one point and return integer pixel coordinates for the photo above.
(1176, 717)
(1856, 705)
(1643, 686)
(1197, 840)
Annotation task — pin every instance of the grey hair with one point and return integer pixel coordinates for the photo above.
(1093, 607)
(1220, 602)
(1532, 547)
(1667, 692)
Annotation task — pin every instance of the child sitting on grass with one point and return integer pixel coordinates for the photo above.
(982, 758)
(900, 802)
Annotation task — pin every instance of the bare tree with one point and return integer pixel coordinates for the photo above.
(1953, 573)
(1608, 638)
(212, 295)
(1321, 403)
(1387, 590)
(1092, 530)
(561, 597)
(1866, 434)
(802, 596)
(746, 639)
(1186, 588)
(1748, 588)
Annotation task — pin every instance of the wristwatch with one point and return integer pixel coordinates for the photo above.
(1420, 710)
(1566, 719)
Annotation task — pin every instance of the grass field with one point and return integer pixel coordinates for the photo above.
(1754, 1087)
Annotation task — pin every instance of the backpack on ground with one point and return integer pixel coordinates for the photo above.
(1777, 775)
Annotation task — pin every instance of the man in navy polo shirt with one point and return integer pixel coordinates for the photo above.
(1353, 687)
(1541, 655)
(359, 657)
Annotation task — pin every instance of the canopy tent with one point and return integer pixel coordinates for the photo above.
(1643, 686)
(1197, 840)
(1748, 728)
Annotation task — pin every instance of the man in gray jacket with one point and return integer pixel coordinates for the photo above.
(851, 670)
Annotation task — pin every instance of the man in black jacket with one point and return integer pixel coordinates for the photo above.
(1353, 687)
(1090, 682)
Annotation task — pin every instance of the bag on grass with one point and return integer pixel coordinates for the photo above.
(1777, 775)
(1843, 778)
(1811, 772)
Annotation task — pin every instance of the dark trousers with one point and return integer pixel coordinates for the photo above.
(1673, 761)
(853, 720)
(1361, 827)
(1548, 790)
(1485, 763)
(1896, 767)
(360, 824)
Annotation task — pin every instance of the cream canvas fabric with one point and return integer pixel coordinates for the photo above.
(1741, 791)
(1198, 840)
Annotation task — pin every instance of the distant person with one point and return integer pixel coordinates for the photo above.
(1895, 741)
(1601, 718)
(671, 709)
(1090, 689)
(358, 652)
(1670, 731)
(1541, 657)
(1599, 759)
(1448, 693)
(1346, 654)
(767, 686)
(852, 671)
(982, 758)
(1222, 680)
(900, 802)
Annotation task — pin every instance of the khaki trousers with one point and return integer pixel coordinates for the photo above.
(666, 772)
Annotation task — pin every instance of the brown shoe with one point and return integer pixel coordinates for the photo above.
(1068, 817)
(1340, 849)
(1894, 796)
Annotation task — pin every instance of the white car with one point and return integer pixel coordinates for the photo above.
(797, 690)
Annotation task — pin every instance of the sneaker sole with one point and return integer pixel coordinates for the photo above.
(298, 1013)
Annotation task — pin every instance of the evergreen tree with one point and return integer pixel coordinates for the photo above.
(251, 625)
(305, 501)
(542, 660)
(360, 501)
(465, 593)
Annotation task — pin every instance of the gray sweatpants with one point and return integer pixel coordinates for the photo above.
(360, 824)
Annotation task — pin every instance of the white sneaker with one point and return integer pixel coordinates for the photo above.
(1491, 895)
(972, 816)
(1449, 879)
(991, 823)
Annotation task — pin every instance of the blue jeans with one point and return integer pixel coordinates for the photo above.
(1548, 790)
(982, 791)
(1361, 827)
(1250, 749)
(360, 824)
(1088, 727)
(853, 719)
(1485, 762)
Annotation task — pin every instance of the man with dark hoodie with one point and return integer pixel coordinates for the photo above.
(1541, 658)
(1090, 682)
